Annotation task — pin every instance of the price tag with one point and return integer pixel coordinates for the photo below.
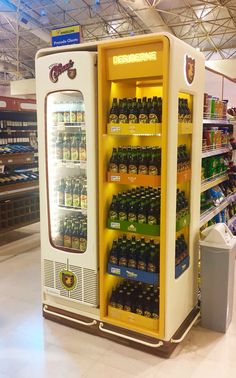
(2, 167)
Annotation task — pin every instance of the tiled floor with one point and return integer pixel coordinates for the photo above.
(31, 347)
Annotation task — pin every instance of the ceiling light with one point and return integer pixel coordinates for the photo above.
(44, 18)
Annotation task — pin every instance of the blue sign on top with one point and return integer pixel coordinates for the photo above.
(68, 35)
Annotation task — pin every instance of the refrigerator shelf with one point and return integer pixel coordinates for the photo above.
(63, 125)
(71, 208)
(71, 163)
(129, 178)
(134, 129)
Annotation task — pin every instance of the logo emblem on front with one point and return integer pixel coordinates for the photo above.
(57, 69)
(68, 279)
(189, 68)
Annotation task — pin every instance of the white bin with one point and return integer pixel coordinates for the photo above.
(217, 277)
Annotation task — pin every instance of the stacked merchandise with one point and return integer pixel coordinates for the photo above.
(214, 108)
(215, 138)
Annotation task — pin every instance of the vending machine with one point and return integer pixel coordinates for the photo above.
(66, 103)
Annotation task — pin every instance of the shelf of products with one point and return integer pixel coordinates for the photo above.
(18, 158)
(213, 211)
(211, 182)
(218, 151)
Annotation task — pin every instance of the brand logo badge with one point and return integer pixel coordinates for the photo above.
(57, 69)
(68, 279)
(189, 69)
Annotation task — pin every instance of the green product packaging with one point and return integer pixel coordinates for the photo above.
(211, 166)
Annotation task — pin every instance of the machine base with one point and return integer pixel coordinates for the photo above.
(92, 326)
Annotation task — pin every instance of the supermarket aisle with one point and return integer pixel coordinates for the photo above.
(33, 347)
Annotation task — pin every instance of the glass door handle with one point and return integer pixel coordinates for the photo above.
(157, 345)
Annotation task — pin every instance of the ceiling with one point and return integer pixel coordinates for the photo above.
(25, 26)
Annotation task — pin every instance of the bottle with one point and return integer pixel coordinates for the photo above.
(153, 258)
(155, 309)
(114, 255)
(153, 164)
(153, 111)
(114, 161)
(83, 238)
(132, 259)
(83, 201)
(143, 115)
(142, 216)
(68, 193)
(132, 161)
(132, 210)
(113, 298)
(120, 300)
(133, 112)
(61, 192)
(60, 234)
(82, 149)
(139, 308)
(147, 307)
(128, 302)
(113, 210)
(68, 235)
(74, 148)
(76, 194)
(66, 147)
(143, 167)
(122, 214)
(123, 163)
(124, 113)
(142, 258)
(152, 213)
(159, 109)
(75, 240)
(114, 112)
(59, 147)
(123, 252)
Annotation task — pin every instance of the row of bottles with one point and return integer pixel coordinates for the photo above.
(136, 297)
(16, 178)
(181, 249)
(140, 205)
(72, 192)
(183, 158)
(184, 112)
(182, 207)
(135, 253)
(136, 160)
(135, 110)
(71, 112)
(14, 149)
(21, 125)
(72, 232)
(15, 137)
(71, 147)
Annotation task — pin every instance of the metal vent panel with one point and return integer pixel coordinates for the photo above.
(49, 273)
(58, 268)
(90, 284)
(77, 293)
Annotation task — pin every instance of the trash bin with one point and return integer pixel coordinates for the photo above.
(217, 277)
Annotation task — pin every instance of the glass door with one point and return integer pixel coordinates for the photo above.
(66, 171)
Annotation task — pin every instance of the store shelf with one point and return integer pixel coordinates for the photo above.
(212, 212)
(232, 221)
(70, 208)
(216, 151)
(71, 164)
(14, 189)
(17, 159)
(62, 126)
(209, 183)
(137, 321)
(133, 274)
(215, 122)
(129, 178)
(16, 225)
(134, 129)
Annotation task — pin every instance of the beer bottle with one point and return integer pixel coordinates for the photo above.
(122, 213)
(128, 302)
(142, 216)
(124, 113)
(153, 111)
(82, 149)
(152, 213)
(75, 237)
(147, 307)
(113, 210)
(74, 148)
(68, 194)
(61, 192)
(143, 115)
(123, 252)
(114, 161)
(139, 307)
(76, 194)
(153, 165)
(120, 300)
(132, 210)
(133, 112)
(149, 105)
(152, 265)
(123, 166)
(68, 235)
(114, 255)
(159, 109)
(132, 260)
(59, 147)
(113, 298)
(143, 167)
(114, 112)
(155, 309)
(83, 238)
(133, 163)
(83, 201)
(142, 258)
(66, 147)
(60, 234)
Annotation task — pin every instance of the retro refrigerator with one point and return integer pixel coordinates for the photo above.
(66, 100)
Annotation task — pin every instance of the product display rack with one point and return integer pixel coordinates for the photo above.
(18, 128)
(119, 82)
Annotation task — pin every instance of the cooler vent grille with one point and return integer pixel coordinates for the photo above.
(76, 293)
(59, 267)
(49, 273)
(90, 286)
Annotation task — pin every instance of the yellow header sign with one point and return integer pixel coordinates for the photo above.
(68, 35)
(135, 58)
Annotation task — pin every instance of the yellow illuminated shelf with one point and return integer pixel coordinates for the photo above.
(185, 128)
(213, 182)
(134, 128)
